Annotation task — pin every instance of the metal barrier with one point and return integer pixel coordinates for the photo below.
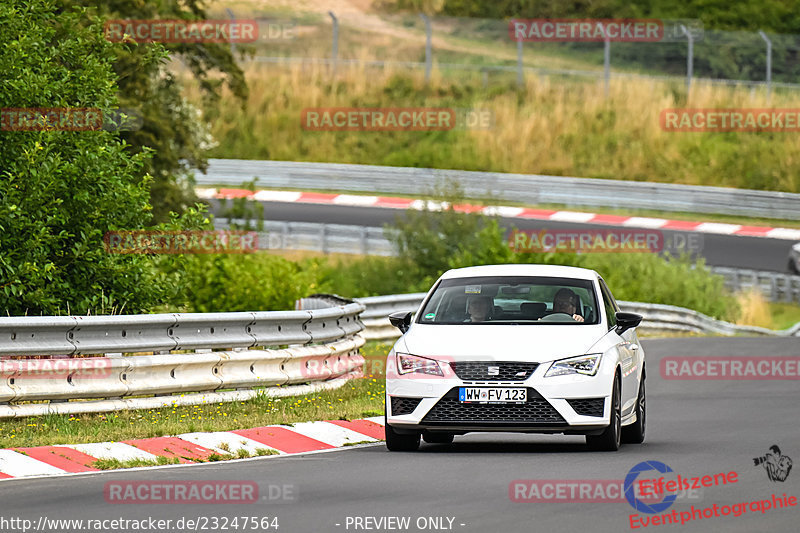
(519, 188)
(657, 317)
(339, 238)
(256, 349)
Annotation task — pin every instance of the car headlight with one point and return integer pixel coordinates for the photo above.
(408, 364)
(583, 364)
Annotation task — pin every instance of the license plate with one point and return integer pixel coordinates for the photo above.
(486, 395)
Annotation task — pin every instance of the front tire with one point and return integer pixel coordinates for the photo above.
(634, 434)
(395, 442)
(609, 439)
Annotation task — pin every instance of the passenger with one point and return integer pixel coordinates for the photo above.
(478, 308)
(566, 301)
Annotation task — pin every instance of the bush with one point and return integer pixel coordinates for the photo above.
(233, 282)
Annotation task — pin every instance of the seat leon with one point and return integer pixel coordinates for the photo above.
(516, 348)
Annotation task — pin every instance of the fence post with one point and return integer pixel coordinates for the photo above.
(689, 57)
(769, 63)
(335, 44)
(606, 60)
(428, 51)
(233, 21)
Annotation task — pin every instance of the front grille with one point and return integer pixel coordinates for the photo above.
(536, 411)
(588, 406)
(479, 370)
(404, 406)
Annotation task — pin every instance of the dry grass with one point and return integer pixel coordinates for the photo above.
(551, 126)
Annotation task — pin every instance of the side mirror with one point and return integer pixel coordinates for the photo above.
(626, 321)
(401, 320)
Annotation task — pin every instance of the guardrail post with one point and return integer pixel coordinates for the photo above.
(323, 238)
(428, 49)
(335, 44)
(689, 57)
(520, 80)
(606, 60)
(769, 63)
(363, 239)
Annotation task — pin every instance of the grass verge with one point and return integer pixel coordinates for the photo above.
(357, 399)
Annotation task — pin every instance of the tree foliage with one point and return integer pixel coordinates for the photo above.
(60, 191)
(175, 129)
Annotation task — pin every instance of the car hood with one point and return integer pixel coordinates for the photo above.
(535, 343)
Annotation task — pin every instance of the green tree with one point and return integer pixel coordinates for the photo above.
(175, 129)
(60, 191)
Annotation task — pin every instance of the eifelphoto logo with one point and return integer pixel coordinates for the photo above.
(180, 242)
(782, 120)
(181, 31)
(56, 368)
(738, 368)
(776, 464)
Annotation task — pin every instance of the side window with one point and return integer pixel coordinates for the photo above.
(609, 304)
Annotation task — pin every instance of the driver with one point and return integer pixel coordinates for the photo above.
(478, 308)
(566, 301)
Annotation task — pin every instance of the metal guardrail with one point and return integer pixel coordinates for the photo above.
(657, 317)
(777, 287)
(305, 346)
(525, 188)
(339, 238)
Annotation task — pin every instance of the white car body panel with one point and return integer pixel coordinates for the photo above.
(537, 343)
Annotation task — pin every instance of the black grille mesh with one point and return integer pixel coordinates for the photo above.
(404, 406)
(479, 370)
(536, 410)
(588, 406)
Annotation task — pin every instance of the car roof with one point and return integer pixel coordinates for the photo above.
(555, 271)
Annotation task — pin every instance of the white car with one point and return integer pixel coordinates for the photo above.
(521, 348)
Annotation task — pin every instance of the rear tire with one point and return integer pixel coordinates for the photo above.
(634, 434)
(395, 442)
(609, 439)
(437, 438)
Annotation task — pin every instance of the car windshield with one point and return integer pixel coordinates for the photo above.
(512, 300)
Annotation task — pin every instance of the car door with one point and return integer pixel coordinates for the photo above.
(628, 347)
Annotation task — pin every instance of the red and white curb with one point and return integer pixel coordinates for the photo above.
(504, 211)
(190, 448)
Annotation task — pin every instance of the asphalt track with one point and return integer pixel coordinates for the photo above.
(695, 427)
(756, 253)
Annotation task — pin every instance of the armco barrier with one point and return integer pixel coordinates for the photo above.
(657, 317)
(526, 188)
(258, 349)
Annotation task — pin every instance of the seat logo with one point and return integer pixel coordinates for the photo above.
(493, 371)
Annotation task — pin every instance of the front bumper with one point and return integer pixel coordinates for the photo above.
(559, 404)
